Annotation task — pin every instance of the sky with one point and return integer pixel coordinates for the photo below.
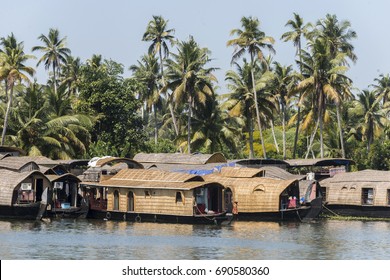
(114, 28)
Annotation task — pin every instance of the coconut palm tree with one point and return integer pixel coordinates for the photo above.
(252, 40)
(322, 75)
(382, 87)
(157, 33)
(13, 71)
(240, 102)
(147, 73)
(282, 83)
(214, 129)
(367, 106)
(189, 80)
(54, 51)
(298, 30)
(70, 76)
(338, 35)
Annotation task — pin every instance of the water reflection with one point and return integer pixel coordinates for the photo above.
(97, 239)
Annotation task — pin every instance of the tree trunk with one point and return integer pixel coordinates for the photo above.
(311, 140)
(340, 129)
(297, 127)
(155, 126)
(299, 100)
(321, 136)
(189, 124)
(251, 150)
(54, 79)
(170, 106)
(274, 136)
(284, 129)
(257, 108)
(9, 104)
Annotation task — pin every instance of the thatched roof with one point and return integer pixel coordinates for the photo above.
(67, 176)
(279, 173)
(364, 176)
(241, 172)
(254, 195)
(18, 163)
(41, 160)
(153, 179)
(265, 171)
(179, 158)
(110, 161)
(71, 163)
(252, 183)
(4, 155)
(58, 169)
(155, 175)
(196, 169)
(319, 162)
(9, 180)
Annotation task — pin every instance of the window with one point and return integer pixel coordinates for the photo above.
(388, 197)
(367, 196)
(116, 200)
(179, 197)
(130, 201)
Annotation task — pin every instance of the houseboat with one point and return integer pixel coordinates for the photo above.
(156, 196)
(259, 198)
(67, 200)
(361, 194)
(23, 194)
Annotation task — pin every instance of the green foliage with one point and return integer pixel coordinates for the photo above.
(163, 146)
(104, 93)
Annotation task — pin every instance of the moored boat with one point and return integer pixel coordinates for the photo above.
(157, 196)
(23, 195)
(260, 198)
(359, 194)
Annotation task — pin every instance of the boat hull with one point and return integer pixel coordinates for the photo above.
(29, 211)
(296, 214)
(358, 211)
(158, 218)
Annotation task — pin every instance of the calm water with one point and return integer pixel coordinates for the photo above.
(104, 240)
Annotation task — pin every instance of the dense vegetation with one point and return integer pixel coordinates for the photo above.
(171, 102)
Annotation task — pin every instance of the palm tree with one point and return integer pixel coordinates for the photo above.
(71, 76)
(159, 35)
(295, 35)
(281, 85)
(382, 88)
(367, 106)
(321, 79)
(146, 72)
(338, 35)
(54, 51)
(252, 40)
(12, 70)
(189, 81)
(214, 129)
(240, 102)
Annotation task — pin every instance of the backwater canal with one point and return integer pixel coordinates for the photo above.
(66, 239)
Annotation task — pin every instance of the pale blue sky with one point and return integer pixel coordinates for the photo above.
(114, 28)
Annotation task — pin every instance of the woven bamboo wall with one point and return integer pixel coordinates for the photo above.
(159, 202)
(351, 193)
